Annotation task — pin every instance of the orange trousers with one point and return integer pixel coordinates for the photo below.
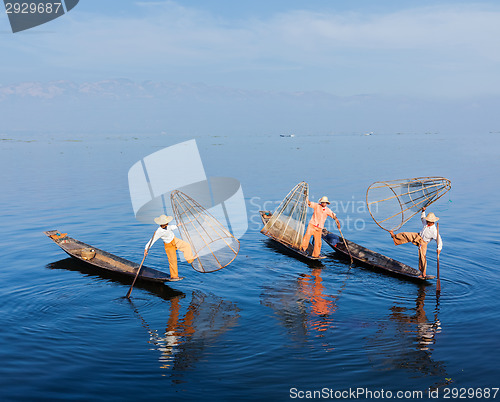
(171, 248)
(410, 237)
(316, 233)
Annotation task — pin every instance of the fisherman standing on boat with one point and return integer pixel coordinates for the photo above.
(172, 244)
(428, 233)
(317, 223)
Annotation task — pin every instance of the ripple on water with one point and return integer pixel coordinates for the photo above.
(451, 290)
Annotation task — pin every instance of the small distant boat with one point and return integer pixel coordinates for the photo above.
(371, 259)
(104, 260)
(370, 133)
(287, 135)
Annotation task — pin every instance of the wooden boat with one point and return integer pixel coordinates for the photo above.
(371, 259)
(265, 216)
(104, 260)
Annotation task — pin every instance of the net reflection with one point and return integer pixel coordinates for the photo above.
(303, 307)
(190, 329)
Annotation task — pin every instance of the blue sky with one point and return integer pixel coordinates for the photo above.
(444, 49)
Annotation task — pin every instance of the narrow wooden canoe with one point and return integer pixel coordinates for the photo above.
(371, 259)
(265, 216)
(104, 260)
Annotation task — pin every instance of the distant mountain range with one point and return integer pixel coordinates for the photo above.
(127, 89)
(152, 106)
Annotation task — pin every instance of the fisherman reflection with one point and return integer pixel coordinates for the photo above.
(303, 307)
(189, 331)
(408, 345)
(426, 329)
(321, 306)
(170, 339)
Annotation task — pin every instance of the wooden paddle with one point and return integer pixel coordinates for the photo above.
(438, 284)
(139, 270)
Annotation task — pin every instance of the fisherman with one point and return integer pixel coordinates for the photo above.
(428, 233)
(316, 224)
(172, 244)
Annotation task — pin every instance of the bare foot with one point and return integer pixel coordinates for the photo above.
(391, 233)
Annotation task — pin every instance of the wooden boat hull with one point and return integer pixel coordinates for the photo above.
(372, 259)
(104, 260)
(265, 216)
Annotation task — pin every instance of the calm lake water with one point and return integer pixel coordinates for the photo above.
(268, 322)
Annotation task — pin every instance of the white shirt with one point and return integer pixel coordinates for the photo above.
(167, 235)
(429, 233)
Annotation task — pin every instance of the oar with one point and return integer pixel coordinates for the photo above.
(139, 270)
(345, 244)
(438, 284)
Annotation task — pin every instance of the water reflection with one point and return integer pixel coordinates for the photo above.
(322, 306)
(192, 324)
(409, 343)
(157, 289)
(304, 308)
(190, 329)
(425, 328)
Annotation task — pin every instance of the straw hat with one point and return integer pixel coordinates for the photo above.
(163, 219)
(324, 199)
(431, 217)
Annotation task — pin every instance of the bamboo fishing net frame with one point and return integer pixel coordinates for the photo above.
(190, 214)
(438, 186)
(279, 233)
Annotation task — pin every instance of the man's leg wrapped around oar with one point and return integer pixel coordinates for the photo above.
(411, 237)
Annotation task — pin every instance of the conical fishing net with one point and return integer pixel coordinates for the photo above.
(288, 221)
(214, 247)
(392, 203)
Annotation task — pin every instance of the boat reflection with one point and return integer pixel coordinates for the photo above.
(303, 307)
(190, 329)
(158, 289)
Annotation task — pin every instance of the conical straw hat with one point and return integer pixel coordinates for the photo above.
(431, 217)
(324, 199)
(163, 219)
